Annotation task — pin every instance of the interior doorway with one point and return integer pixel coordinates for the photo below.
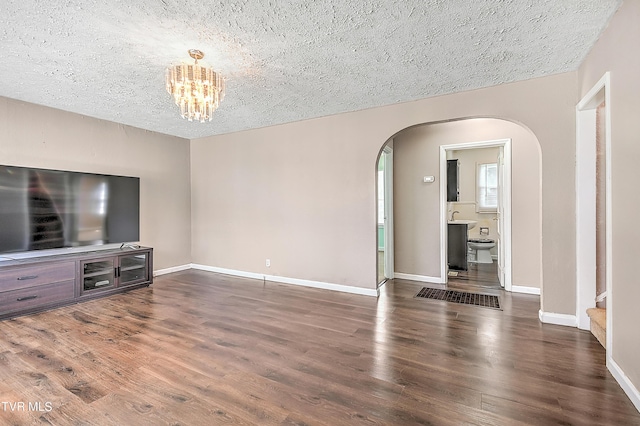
(502, 211)
(593, 205)
(385, 215)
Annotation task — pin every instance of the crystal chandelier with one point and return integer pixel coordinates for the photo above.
(197, 90)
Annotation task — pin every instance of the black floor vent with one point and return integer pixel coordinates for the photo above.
(464, 297)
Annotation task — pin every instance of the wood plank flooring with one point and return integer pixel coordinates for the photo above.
(479, 275)
(197, 348)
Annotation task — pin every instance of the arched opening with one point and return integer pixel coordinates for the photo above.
(421, 212)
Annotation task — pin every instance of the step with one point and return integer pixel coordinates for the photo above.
(598, 318)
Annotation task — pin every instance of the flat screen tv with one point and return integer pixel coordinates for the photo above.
(52, 209)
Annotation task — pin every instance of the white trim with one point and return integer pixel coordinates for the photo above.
(525, 290)
(585, 205)
(444, 219)
(506, 144)
(506, 216)
(558, 319)
(624, 382)
(234, 272)
(286, 280)
(388, 226)
(171, 270)
(587, 102)
(609, 216)
(585, 181)
(421, 278)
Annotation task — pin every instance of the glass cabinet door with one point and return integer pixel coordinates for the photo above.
(133, 268)
(99, 274)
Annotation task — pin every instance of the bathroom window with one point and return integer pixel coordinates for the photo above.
(487, 190)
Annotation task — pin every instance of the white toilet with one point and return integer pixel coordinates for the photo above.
(482, 247)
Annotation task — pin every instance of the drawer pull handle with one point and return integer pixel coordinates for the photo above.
(22, 299)
(28, 277)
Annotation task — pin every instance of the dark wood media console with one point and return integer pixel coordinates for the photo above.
(41, 283)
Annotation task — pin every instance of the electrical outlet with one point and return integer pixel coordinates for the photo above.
(268, 263)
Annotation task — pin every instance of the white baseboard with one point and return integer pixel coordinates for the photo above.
(622, 379)
(421, 278)
(558, 319)
(525, 290)
(171, 270)
(225, 271)
(285, 280)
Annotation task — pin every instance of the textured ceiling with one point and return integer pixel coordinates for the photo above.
(284, 60)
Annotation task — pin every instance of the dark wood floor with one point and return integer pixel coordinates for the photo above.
(477, 274)
(198, 348)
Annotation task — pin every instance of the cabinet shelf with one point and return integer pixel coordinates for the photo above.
(134, 261)
(132, 268)
(122, 270)
(92, 268)
(93, 283)
(97, 273)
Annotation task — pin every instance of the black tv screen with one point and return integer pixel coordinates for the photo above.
(48, 209)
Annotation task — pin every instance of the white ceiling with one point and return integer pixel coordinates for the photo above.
(284, 60)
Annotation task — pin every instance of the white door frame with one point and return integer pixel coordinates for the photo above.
(500, 216)
(506, 144)
(388, 212)
(586, 205)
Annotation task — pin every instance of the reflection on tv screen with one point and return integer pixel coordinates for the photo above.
(47, 209)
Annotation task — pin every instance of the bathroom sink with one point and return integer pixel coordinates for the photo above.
(470, 223)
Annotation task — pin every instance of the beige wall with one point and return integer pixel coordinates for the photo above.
(303, 194)
(36, 136)
(416, 204)
(617, 51)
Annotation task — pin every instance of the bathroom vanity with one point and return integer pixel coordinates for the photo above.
(458, 235)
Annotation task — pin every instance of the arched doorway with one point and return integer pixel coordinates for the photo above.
(417, 205)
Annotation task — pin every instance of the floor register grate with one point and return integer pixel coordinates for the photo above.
(463, 297)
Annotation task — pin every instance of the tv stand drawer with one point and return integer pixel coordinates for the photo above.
(34, 297)
(36, 275)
